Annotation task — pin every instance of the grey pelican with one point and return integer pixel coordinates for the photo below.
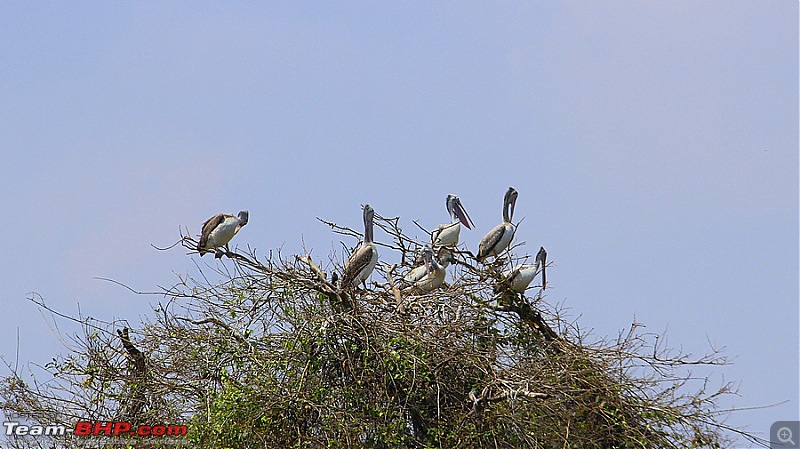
(430, 276)
(520, 277)
(219, 230)
(498, 239)
(361, 263)
(447, 234)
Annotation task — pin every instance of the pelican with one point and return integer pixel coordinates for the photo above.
(430, 276)
(498, 239)
(447, 234)
(361, 263)
(219, 230)
(520, 277)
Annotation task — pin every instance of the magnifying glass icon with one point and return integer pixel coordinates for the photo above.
(785, 435)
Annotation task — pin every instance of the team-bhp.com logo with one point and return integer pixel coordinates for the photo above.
(94, 428)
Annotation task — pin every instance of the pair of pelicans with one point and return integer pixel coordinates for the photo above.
(220, 229)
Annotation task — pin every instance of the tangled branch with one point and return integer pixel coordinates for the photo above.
(264, 344)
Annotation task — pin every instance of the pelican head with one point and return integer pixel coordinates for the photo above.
(244, 216)
(457, 211)
(438, 261)
(541, 257)
(445, 257)
(369, 219)
(427, 258)
(509, 202)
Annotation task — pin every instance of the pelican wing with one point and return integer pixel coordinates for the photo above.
(513, 275)
(208, 226)
(412, 277)
(446, 234)
(490, 241)
(508, 279)
(356, 263)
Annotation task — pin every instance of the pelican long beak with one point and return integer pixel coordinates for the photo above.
(369, 220)
(509, 202)
(544, 278)
(512, 204)
(541, 258)
(463, 216)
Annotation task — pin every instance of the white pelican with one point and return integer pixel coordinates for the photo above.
(498, 239)
(430, 276)
(219, 230)
(447, 234)
(520, 277)
(361, 263)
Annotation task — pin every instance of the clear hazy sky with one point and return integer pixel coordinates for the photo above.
(654, 146)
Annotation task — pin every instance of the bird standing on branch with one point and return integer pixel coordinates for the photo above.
(219, 230)
(520, 277)
(361, 263)
(498, 239)
(447, 234)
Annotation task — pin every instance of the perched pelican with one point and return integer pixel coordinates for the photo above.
(447, 234)
(520, 277)
(219, 230)
(419, 272)
(361, 263)
(498, 239)
(430, 276)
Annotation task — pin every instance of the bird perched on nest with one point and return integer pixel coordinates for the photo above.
(429, 276)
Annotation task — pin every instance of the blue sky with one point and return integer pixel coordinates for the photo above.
(654, 146)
